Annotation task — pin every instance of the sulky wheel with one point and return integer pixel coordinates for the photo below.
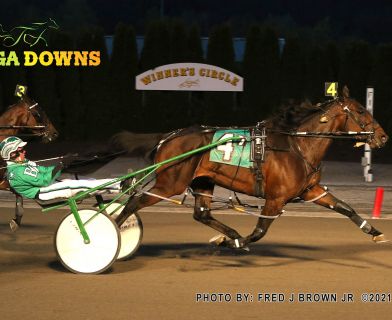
(131, 232)
(94, 257)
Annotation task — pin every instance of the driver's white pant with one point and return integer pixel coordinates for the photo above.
(68, 188)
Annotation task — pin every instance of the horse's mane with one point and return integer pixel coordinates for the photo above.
(292, 114)
(20, 101)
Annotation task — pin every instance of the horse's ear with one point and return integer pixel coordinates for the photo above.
(306, 104)
(346, 92)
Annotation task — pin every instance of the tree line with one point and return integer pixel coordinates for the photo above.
(95, 102)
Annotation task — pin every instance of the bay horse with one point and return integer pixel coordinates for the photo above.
(24, 118)
(287, 175)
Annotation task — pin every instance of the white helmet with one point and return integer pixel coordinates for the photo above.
(9, 145)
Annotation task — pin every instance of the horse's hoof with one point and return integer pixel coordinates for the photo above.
(13, 225)
(218, 239)
(380, 239)
(239, 244)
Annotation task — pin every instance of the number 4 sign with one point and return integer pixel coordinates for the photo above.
(331, 89)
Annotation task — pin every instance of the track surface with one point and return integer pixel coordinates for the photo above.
(298, 255)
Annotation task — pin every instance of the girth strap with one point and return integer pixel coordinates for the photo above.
(258, 134)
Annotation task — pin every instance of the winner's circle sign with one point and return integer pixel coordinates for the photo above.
(189, 77)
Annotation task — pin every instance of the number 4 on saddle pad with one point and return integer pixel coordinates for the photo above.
(232, 153)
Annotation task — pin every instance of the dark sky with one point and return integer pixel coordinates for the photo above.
(370, 20)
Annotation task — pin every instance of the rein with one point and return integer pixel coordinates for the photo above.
(329, 135)
(44, 160)
(23, 127)
(337, 134)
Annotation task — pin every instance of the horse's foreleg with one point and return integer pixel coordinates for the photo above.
(271, 208)
(142, 200)
(202, 213)
(319, 196)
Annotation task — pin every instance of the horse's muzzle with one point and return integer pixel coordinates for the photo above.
(49, 137)
(381, 141)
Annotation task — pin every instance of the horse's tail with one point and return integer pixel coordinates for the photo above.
(146, 145)
(136, 144)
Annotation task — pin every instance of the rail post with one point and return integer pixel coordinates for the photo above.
(367, 157)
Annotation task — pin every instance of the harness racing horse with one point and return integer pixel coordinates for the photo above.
(24, 118)
(285, 175)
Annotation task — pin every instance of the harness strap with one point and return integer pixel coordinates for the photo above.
(258, 134)
(33, 106)
(257, 214)
(257, 155)
(298, 152)
(318, 197)
(234, 207)
(229, 202)
(161, 197)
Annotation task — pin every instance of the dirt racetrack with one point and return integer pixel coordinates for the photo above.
(300, 255)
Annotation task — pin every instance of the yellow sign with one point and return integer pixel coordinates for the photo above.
(20, 91)
(51, 58)
(331, 89)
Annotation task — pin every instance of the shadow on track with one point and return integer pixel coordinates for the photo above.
(261, 255)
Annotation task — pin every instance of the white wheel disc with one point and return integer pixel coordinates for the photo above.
(131, 232)
(93, 257)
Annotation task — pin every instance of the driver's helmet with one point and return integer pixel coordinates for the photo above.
(9, 145)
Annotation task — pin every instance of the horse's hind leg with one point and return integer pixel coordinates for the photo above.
(202, 212)
(143, 200)
(331, 202)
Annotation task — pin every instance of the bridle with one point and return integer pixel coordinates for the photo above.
(41, 127)
(367, 134)
(42, 124)
(346, 134)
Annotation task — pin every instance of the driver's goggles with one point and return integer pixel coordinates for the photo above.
(18, 152)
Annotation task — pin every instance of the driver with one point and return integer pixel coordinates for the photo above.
(38, 182)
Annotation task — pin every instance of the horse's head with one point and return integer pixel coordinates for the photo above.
(356, 118)
(35, 119)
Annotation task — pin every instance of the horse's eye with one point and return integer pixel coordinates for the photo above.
(360, 111)
(37, 115)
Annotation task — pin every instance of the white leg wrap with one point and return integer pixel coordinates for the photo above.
(237, 243)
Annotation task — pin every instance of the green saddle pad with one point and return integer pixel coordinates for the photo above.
(232, 153)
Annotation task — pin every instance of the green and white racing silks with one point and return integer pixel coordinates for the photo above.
(27, 178)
